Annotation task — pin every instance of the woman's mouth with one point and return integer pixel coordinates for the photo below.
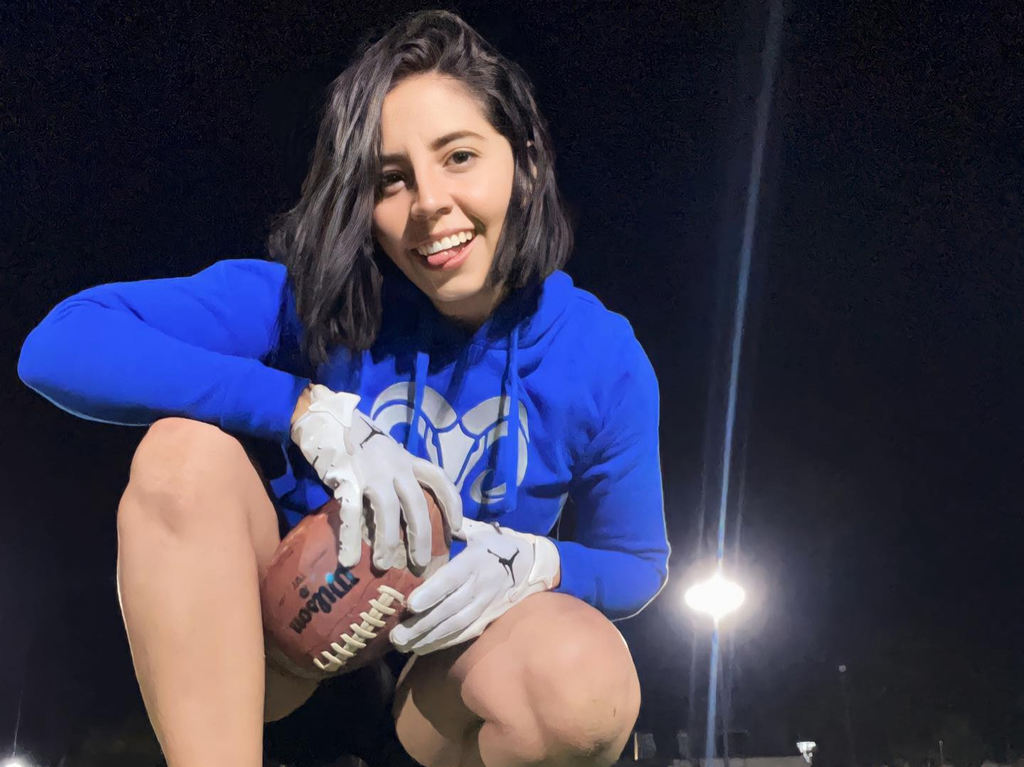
(450, 257)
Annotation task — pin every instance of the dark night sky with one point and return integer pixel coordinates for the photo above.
(880, 425)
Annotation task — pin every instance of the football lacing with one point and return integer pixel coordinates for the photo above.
(349, 645)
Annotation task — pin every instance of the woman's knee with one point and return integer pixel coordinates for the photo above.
(178, 469)
(578, 679)
(584, 685)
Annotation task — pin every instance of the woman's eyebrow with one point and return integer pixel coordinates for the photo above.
(435, 144)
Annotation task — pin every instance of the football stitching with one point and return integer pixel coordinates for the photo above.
(379, 608)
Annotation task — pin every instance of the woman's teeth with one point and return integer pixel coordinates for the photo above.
(445, 243)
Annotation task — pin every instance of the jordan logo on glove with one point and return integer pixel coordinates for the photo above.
(506, 563)
(374, 431)
(467, 593)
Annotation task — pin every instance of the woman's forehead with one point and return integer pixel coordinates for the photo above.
(422, 109)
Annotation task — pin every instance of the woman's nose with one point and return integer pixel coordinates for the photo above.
(432, 197)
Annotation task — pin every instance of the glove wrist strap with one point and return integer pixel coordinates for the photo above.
(546, 562)
(339, 404)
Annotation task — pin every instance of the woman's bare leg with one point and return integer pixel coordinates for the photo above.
(551, 683)
(195, 526)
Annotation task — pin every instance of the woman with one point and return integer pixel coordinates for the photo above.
(414, 329)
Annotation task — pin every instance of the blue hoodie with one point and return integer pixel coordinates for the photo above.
(552, 366)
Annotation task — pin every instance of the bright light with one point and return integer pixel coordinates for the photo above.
(15, 761)
(716, 596)
(806, 749)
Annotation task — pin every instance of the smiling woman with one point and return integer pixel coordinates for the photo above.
(416, 331)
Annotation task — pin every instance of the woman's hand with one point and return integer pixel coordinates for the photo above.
(498, 568)
(357, 460)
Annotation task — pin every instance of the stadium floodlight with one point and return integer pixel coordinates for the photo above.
(806, 749)
(717, 596)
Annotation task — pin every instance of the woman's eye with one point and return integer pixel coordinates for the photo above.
(462, 157)
(388, 180)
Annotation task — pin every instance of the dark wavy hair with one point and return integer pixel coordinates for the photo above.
(326, 239)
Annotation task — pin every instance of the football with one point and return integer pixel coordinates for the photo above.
(321, 619)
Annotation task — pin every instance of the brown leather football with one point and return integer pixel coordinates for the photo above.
(321, 619)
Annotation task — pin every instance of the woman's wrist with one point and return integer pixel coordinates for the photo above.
(302, 404)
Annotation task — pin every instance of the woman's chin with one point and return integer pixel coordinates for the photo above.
(464, 306)
(455, 288)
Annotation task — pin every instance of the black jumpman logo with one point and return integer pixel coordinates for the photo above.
(506, 563)
(374, 431)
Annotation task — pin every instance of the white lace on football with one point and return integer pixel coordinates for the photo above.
(375, 618)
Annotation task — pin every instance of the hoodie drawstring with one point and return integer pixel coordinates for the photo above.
(412, 440)
(508, 453)
(510, 457)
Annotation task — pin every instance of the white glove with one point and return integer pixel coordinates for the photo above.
(498, 568)
(356, 459)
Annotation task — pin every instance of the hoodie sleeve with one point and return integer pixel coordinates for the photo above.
(196, 347)
(618, 560)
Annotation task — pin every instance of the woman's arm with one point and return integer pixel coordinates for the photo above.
(196, 347)
(618, 559)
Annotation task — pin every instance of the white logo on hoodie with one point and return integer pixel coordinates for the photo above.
(458, 444)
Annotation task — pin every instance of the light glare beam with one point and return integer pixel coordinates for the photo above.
(764, 100)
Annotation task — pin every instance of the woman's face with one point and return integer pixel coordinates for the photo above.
(445, 185)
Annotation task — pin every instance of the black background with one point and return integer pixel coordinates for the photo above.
(879, 430)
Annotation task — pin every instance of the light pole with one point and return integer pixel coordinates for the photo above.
(717, 597)
(846, 715)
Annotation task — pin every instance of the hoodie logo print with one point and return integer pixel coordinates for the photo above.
(461, 444)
